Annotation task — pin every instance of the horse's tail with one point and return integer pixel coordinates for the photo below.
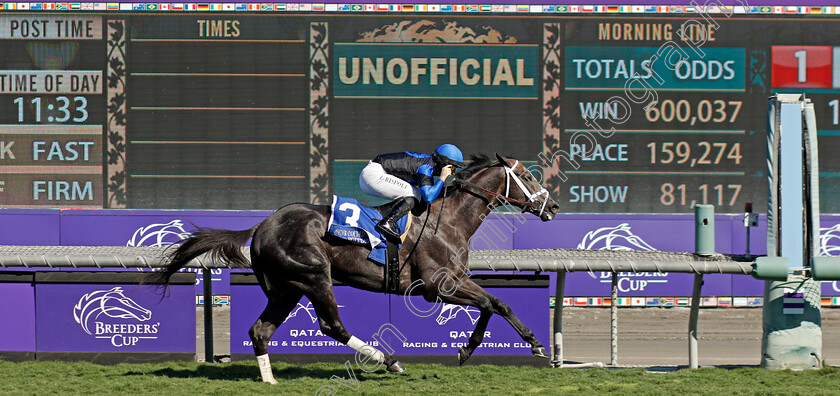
(223, 246)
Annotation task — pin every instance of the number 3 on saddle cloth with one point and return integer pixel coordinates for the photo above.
(356, 223)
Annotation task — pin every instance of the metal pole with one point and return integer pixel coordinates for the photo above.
(614, 321)
(692, 321)
(747, 251)
(208, 315)
(559, 294)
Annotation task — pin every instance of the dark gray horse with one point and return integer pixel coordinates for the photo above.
(292, 257)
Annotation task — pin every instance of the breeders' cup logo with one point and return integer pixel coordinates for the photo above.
(159, 235)
(165, 234)
(621, 237)
(613, 238)
(830, 246)
(96, 313)
(830, 241)
(451, 311)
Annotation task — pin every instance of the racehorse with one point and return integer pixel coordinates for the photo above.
(292, 257)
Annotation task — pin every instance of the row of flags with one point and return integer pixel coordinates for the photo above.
(792, 304)
(217, 299)
(501, 8)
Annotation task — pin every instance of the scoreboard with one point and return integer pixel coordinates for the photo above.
(247, 110)
(51, 137)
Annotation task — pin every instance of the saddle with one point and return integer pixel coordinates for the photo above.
(356, 223)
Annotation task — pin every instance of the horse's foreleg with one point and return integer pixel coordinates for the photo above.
(502, 309)
(470, 293)
(275, 313)
(327, 309)
(476, 337)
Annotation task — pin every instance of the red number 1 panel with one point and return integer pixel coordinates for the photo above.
(800, 66)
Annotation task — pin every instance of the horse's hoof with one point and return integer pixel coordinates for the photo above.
(462, 356)
(540, 352)
(272, 382)
(396, 367)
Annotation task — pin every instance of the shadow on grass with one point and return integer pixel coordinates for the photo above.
(234, 372)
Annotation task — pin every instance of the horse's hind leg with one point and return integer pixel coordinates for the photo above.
(278, 308)
(323, 300)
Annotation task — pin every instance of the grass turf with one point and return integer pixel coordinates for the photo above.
(421, 379)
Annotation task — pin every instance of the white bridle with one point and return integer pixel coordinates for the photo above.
(525, 190)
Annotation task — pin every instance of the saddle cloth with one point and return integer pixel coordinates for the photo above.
(354, 222)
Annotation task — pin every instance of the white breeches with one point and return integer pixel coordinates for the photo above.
(375, 181)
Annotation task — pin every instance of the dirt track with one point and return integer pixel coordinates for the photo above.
(659, 336)
(647, 336)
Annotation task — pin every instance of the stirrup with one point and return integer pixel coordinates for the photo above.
(382, 226)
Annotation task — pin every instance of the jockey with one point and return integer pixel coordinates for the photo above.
(407, 176)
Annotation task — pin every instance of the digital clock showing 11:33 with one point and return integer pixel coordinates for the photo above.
(50, 144)
(64, 110)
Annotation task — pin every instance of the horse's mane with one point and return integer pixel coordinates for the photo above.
(477, 162)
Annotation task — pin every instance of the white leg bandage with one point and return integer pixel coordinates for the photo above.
(366, 349)
(265, 369)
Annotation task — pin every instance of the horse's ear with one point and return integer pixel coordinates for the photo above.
(502, 159)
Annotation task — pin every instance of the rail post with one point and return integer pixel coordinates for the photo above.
(704, 245)
(208, 315)
(614, 319)
(559, 294)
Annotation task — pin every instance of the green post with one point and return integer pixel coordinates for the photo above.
(792, 335)
(704, 229)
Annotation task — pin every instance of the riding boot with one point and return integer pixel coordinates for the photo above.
(388, 225)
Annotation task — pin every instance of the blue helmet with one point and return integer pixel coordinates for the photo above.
(448, 154)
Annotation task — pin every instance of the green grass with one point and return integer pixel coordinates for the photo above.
(61, 378)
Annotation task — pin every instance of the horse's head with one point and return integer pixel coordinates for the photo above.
(515, 185)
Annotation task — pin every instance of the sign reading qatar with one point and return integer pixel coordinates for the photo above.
(79, 317)
(480, 71)
(441, 328)
(362, 313)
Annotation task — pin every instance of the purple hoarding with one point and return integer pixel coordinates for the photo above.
(440, 332)
(647, 284)
(153, 228)
(112, 317)
(361, 312)
(667, 232)
(17, 334)
(29, 227)
(146, 227)
(830, 246)
(446, 327)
